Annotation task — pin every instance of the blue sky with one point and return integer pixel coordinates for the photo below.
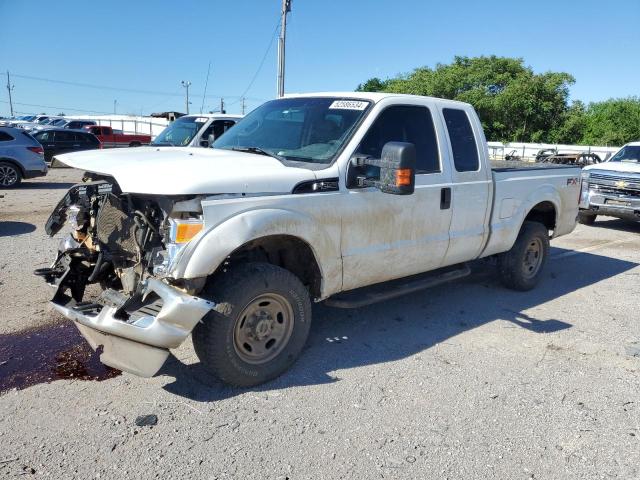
(142, 49)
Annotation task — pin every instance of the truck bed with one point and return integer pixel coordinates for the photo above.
(515, 165)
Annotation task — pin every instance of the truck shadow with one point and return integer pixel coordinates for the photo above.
(396, 329)
(617, 224)
(9, 229)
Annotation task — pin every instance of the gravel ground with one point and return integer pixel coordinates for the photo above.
(467, 380)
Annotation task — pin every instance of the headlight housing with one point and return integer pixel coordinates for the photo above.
(584, 189)
(181, 231)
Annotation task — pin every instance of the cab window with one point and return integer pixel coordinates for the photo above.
(463, 142)
(405, 123)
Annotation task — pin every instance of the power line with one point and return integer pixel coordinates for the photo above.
(117, 89)
(264, 57)
(56, 108)
(206, 84)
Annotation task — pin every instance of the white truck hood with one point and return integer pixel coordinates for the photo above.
(623, 167)
(189, 171)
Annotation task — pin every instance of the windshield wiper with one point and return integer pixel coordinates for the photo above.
(258, 151)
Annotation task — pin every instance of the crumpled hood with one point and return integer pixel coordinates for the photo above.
(189, 171)
(623, 167)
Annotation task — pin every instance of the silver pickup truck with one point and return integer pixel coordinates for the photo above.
(346, 198)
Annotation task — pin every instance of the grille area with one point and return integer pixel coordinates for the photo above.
(114, 228)
(627, 186)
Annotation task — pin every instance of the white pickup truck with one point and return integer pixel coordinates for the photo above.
(348, 198)
(195, 130)
(613, 187)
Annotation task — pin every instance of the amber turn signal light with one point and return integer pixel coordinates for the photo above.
(403, 177)
(186, 231)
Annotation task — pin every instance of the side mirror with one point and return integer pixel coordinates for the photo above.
(397, 169)
(204, 143)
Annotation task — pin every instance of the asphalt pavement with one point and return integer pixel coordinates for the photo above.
(468, 380)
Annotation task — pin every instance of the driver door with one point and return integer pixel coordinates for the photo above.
(388, 236)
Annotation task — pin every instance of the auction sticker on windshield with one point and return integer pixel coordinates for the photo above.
(348, 105)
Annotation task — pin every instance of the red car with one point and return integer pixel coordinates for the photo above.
(110, 139)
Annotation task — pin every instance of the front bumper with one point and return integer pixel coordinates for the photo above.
(621, 206)
(140, 346)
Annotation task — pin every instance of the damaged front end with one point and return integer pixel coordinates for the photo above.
(124, 243)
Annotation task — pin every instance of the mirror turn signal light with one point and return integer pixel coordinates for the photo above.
(403, 177)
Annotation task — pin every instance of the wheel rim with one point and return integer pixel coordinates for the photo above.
(533, 258)
(8, 175)
(263, 328)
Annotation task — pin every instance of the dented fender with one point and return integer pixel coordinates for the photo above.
(205, 253)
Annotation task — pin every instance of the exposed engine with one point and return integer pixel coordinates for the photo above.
(113, 239)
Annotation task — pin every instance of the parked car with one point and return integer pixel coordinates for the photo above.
(317, 197)
(21, 157)
(111, 138)
(195, 130)
(78, 124)
(61, 140)
(613, 187)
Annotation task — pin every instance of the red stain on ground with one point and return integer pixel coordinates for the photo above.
(48, 353)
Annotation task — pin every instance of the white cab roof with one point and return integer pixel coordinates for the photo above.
(371, 96)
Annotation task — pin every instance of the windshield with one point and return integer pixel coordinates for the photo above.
(60, 121)
(180, 132)
(628, 154)
(299, 129)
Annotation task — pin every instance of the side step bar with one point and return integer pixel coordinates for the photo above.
(381, 292)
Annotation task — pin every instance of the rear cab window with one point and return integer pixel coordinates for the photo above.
(463, 142)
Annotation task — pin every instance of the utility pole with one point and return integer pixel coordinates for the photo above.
(115, 104)
(9, 88)
(243, 105)
(286, 8)
(222, 105)
(186, 84)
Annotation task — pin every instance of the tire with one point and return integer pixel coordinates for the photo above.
(521, 267)
(265, 331)
(135, 144)
(586, 218)
(10, 175)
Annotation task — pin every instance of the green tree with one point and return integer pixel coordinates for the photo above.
(612, 122)
(513, 102)
(571, 126)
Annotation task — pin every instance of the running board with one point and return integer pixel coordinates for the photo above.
(381, 292)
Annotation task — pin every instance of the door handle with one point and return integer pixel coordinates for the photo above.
(445, 198)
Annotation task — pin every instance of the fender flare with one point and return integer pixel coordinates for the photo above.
(505, 232)
(206, 252)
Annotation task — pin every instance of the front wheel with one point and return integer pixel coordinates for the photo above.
(265, 331)
(520, 268)
(586, 218)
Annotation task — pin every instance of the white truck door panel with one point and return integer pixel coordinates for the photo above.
(471, 184)
(389, 236)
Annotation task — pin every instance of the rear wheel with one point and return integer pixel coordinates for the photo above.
(586, 218)
(135, 144)
(10, 175)
(520, 268)
(266, 329)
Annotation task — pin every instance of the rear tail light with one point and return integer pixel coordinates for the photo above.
(38, 150)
